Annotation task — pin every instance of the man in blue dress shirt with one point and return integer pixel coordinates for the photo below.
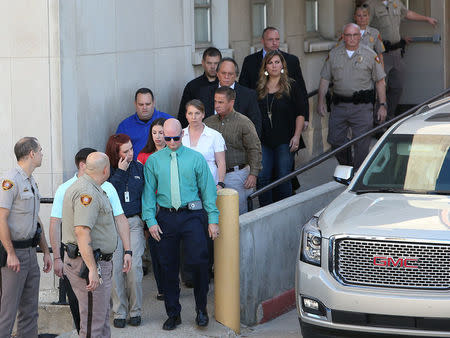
(137, 126)
(179, 174)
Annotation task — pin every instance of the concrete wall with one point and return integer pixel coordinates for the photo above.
(110, 48)
(269, 239)
(30, 91)
(29, 84)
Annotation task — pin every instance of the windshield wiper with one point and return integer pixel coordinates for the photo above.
(439, 192)
(385, 190)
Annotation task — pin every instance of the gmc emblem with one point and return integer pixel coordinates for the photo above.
(399, 262)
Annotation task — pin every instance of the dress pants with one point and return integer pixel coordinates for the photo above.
(183, 225)
(127, 287)
(20, 292)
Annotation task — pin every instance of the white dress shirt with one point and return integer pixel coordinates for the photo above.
(209, 143)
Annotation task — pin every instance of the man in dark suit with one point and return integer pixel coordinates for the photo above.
(210, 60)
(252, 63)
(246, 101)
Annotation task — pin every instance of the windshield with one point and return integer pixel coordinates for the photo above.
(409, 163)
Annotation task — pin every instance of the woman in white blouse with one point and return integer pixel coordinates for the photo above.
(205, 140)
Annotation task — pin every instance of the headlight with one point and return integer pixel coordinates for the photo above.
(311, 242)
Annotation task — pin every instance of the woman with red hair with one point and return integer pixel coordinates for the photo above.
(127, 176)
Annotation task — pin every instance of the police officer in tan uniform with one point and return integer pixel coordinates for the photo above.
(90, 238)
(19, 235)
(386, 16)
(369, 36)
(353, 68)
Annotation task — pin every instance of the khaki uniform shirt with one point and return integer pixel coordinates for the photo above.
(20, 195)
(387, 19)
(353, 74)
(241, 140)
(86, 204)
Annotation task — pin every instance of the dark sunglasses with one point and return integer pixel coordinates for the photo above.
(175, 138)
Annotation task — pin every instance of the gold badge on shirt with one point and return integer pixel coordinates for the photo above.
(371, 39)
(395, 5)
(7, 184)
(85, 200)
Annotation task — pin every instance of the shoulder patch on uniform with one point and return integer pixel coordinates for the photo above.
(86, 200)
(379, 37)
(7, 185)
(377, 59)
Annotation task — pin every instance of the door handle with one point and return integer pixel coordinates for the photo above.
(436, 38)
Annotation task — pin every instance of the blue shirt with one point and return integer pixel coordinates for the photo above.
(132, 182)
(139, 130)
(107, 187)
(194, 177)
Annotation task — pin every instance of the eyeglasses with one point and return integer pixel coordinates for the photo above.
(352, 35)
(175, 138)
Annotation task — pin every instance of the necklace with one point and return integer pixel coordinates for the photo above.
(269, 108)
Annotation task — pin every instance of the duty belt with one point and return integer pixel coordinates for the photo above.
(359, 97)
(394, 46)
(101, 257)
(24, 244)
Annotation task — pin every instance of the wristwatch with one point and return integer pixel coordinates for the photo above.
(383, 104)
(221, 184)
(128, 252)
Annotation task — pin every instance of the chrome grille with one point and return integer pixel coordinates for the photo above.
(354, 264)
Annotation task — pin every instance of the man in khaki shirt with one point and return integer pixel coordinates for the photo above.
(19, 210)
(87, 221)
(353, 68)
(243, 155)
(386, 16)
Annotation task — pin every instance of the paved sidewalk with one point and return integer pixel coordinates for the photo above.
(154, 316)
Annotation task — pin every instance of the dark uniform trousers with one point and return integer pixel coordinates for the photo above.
(94, 321)
(357, 117)
(395, 67)
(188, 226)
(20, 291)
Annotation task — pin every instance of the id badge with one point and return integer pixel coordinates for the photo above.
(127, 196)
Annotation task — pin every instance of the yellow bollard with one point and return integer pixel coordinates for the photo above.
(226, 262)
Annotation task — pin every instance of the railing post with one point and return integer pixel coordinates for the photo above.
(226, 262)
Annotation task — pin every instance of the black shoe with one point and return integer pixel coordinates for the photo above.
(160, 296)
(119, 323)
(171, 323)
(202, 318)
(189, 284)
(135, 321)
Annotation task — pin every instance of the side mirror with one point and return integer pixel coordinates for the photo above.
(343, 174)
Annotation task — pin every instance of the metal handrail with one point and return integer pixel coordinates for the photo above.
(327, 155)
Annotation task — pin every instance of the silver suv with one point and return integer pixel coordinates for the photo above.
(377, 259)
